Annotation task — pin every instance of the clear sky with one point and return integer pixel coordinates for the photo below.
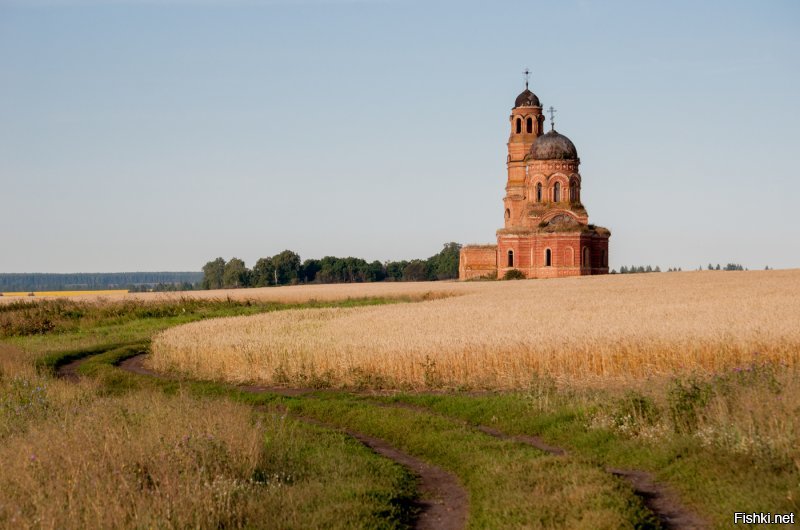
(159, 134)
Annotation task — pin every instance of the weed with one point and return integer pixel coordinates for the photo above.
(686, 400)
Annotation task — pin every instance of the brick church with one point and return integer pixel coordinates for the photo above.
(546, 232)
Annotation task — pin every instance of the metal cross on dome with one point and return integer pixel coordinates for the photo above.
(527, 77)
(552, 113)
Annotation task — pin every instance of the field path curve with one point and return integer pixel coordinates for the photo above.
(664, 503)
(444, 503)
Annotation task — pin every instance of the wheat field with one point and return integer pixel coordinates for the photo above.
(498, 335)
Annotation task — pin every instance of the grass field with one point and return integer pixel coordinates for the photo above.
(717, 425)
(284, 294)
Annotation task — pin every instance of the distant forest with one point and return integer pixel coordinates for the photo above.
(10, 282)
(287, 268)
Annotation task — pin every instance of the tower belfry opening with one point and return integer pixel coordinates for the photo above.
(546, 226)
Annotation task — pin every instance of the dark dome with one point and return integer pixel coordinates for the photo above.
(527, 99)
(553, 146)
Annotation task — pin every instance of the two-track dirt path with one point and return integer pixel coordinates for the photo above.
(658, 498)
(443, 503)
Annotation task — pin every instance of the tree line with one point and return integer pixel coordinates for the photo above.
(634, 269)
(287, 268)
(10, 282)
(728, 267)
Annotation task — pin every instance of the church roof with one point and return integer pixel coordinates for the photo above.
(527, 99)
(553, 146)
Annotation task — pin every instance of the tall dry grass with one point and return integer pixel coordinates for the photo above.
(500, 334)
(74, 459)
(143, 461)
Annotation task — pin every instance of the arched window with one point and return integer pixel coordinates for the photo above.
(548, 258)
(569, 257)
(539, 192)
(529, 125)
(510, 258)
(519, 125)
(573, 191)
(557, 192)
(586, 257)
(604, 255)
(508, 213)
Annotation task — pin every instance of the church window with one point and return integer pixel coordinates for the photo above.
(586, 257)
(510, 258)
(539, 192)
(573, 191)
(557, 192)
(529, 125)
(519, 125)
(569, 259)
(548, 258)
(508, 213)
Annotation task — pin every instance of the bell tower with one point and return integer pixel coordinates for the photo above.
(527, 124)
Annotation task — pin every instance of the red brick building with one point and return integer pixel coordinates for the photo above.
(546, 232)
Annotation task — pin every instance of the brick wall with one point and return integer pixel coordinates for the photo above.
(476, 261)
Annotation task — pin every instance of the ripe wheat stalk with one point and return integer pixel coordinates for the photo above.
(500, 335)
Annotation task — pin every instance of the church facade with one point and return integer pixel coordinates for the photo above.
(546, 231)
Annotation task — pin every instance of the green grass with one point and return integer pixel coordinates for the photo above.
(716, 484)
(337, 482)
(79, 326)
(510, 485)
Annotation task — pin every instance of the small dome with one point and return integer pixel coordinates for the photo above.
(527, 99)
(553, 146)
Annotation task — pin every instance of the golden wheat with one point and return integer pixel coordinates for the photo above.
(499, 334)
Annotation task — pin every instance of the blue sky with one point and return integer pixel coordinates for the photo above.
(156, 135)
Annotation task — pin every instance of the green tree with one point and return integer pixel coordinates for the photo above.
(375, 272)
(444, 265)
(416, 271)
(263, 273)
(394, 270)
(309, 270)
(235, 274)
(287, 267)
(212, 274)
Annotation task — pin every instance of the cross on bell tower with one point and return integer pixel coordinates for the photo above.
(527, 77)
(552, 113)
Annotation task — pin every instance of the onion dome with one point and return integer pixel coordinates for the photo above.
(527, 99)
(553, 146)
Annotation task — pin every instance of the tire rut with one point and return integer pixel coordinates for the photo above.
(656, 497)
(444, 503)
(69, 371)
(450, 505)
